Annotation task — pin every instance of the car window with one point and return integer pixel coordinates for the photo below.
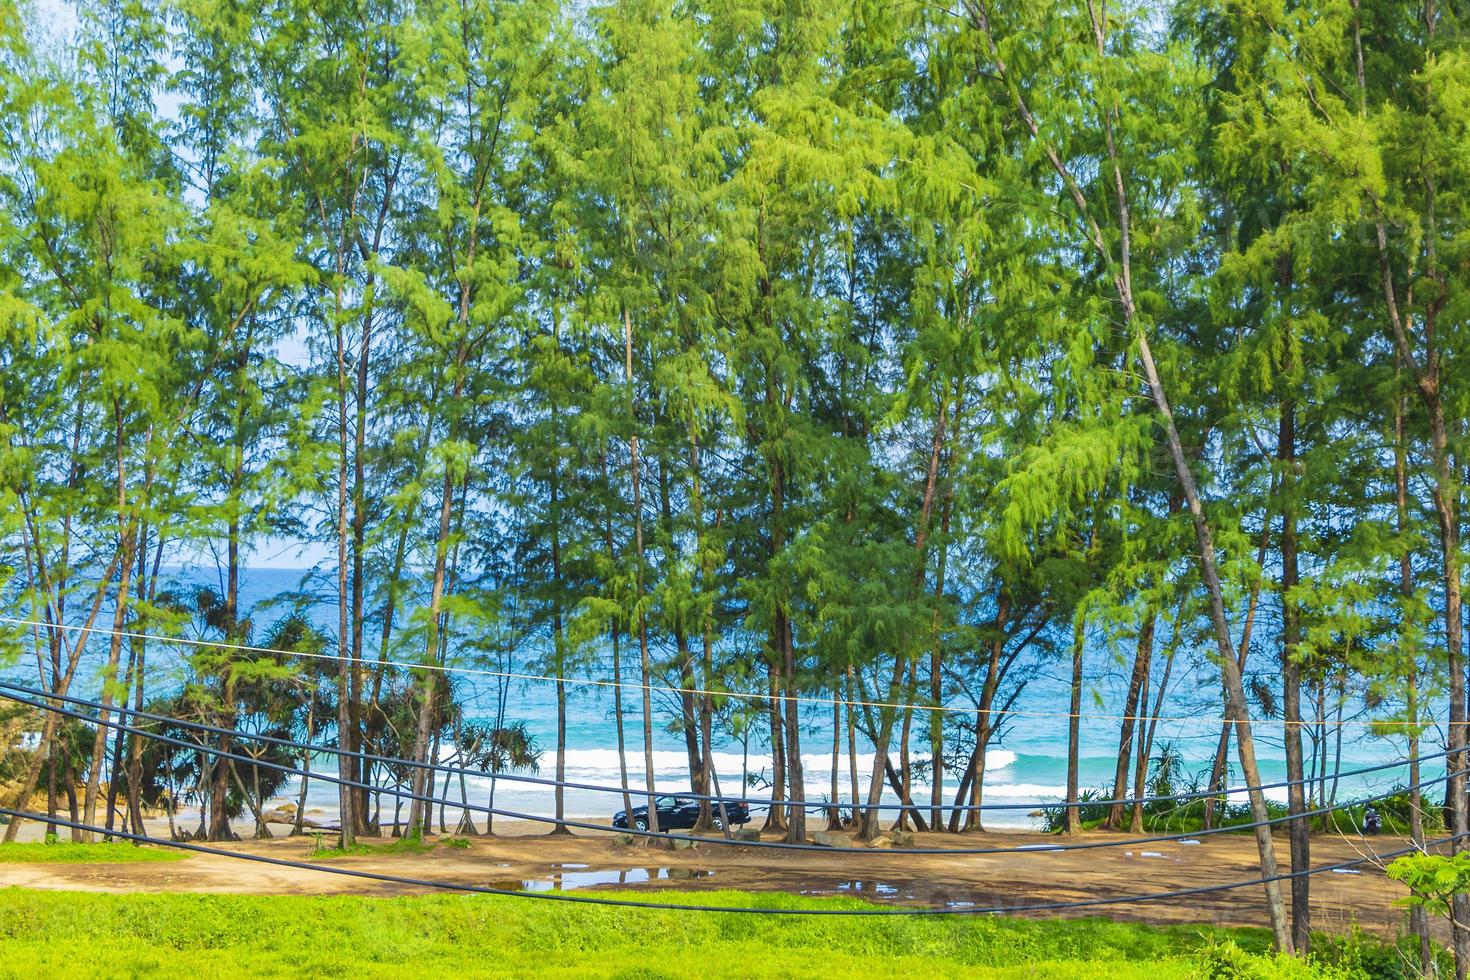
(680, 801)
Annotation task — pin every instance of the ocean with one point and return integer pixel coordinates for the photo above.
(1025, 768)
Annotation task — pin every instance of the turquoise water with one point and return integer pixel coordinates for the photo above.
(1026, 766)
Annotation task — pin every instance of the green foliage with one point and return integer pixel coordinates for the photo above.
(1432, 879)
(410, 844)
(799, 348)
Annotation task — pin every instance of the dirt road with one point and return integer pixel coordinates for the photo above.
(590, 863)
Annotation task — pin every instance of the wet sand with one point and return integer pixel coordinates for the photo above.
(523, 857)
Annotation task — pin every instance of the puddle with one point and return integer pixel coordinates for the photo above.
(573, 880)
(857, 887)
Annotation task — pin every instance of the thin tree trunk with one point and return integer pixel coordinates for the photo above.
(617, 668)
(617, 659)
(1222, 748)
(796, 778)
(300, 821)
(1150, 725)
(420, 815)
(871, 825)
(1073, 815)
(936, 664)
(644, 664)
(1142, 656)
(1445, 488)
(852, 765)
(346, 798)
(776, 815)
(52, 724)
(1418, 915)
(834, 812)
(1236, 708)
(985, 717)
(905, 786)
(1291, 676)
(127, 531)
(886, 715)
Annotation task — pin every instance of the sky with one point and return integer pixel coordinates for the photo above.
(54, 19)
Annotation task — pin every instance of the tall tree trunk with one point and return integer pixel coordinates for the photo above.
(1236, 708)
(986, 722)
(871, 825)
(905, 786)
(346, 798)
(776, 815)
(936, 662)
(430, 684)
(617, 664)
(1291, 680)
(1222, 747)
(127, 532)
(834, 812)
(135, 744)
(1142, 657)
(51, 726)
(706, 564)
(1148, 726)
(796, 778)
(617, 668)
(852, 765)
(1073, 816)
(1418, 915)
(1428, 380)
(886, 715)
(225, 715)
(645, 666)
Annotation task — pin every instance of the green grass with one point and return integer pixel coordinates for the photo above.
(65, 852)
(402, 845)
(61, 933)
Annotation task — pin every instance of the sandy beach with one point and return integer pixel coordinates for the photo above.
(523, 857)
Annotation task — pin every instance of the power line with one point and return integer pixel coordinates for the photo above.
(660, 906)
(632, 791)
(601, 828)
(739, 695)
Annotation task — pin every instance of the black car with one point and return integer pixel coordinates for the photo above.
(682, 813)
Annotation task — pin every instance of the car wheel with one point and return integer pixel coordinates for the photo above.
(717, 823)
(640, 823)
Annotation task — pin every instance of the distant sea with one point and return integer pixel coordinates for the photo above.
(1026, 767)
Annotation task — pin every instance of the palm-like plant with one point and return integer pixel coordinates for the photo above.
(494, 750)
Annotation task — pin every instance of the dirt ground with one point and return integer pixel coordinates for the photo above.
(523, 857)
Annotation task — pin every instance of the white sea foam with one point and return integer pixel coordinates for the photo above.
(665, 760)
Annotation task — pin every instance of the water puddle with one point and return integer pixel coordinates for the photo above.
(562, 880)
(857, 887)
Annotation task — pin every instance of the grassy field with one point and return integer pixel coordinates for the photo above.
(65, 852)
(51, 933)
